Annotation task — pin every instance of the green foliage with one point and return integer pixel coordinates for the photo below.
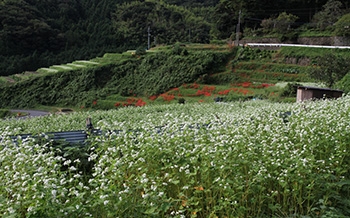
(179, 49)
(140, 51)
(222, 78)
(168, 23)
(226, 14)
(312, 53)
(344, 83)
(152, 74)
(342, 27)
(247, 53)
(290, 90)
(159, 72)
(330, 69)
(4, 113)
(284, 22)
(36, 34)
(329, 15)
(281, 24)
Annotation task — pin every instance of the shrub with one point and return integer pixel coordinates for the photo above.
(344, 83)
(140, 51)
(4, 113)
(342, 26)
(179, 49)
(290, 90)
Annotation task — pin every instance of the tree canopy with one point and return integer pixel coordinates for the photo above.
(38, 33)
(166, 23)
(330, 69)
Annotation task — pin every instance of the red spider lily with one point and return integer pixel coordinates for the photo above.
(94, 102)
(265, 85)
(224, 92)
(194, 86)
(201, 92)
(209, 89)
(131, 100)
(167, 97)
(140, 103)
(246, 84)
(117, 104)
(153, 97)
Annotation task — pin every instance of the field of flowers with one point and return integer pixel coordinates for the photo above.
(241, 159)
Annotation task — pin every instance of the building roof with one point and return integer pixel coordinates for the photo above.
(317, 88)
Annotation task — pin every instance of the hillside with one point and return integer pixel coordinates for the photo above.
(35, 33)
(193, 72)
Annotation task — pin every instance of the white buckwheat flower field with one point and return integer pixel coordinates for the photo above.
(239, 159)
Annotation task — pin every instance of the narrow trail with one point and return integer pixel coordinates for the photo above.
(30, 113)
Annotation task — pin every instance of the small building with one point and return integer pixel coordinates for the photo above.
(312, 93)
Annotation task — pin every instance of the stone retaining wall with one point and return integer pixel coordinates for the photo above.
(332, 40)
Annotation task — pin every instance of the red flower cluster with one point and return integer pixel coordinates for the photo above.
(140, 103)
(209, 89)
(191, 86)
(246, 84)
(205, 91)
(201, 92)
(241, 90)
(153, 97)
(167, 97)
(250, 85)
(245, 91)
(131, 102)
(224, 92)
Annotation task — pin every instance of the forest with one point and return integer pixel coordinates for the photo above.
(39, 33)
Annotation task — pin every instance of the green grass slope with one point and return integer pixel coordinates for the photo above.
(125, 78)
(131, 74)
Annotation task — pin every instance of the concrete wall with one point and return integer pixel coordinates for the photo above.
(332, 40)
(315, 40)
(341, 41)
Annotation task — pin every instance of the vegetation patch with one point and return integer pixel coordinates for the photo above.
(241, 159)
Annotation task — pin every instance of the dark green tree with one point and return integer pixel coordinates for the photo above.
(23, 29)
(330, 69)
(342, 26)
(226, 13)
(330, 14)
(168, 23)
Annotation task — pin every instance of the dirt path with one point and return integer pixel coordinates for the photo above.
(31, 113)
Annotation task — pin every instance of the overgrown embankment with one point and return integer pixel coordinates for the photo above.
(144, 75)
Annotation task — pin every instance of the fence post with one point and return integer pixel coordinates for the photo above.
(89, 125)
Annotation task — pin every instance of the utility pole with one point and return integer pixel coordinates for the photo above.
(149, 37)
(238, 28)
